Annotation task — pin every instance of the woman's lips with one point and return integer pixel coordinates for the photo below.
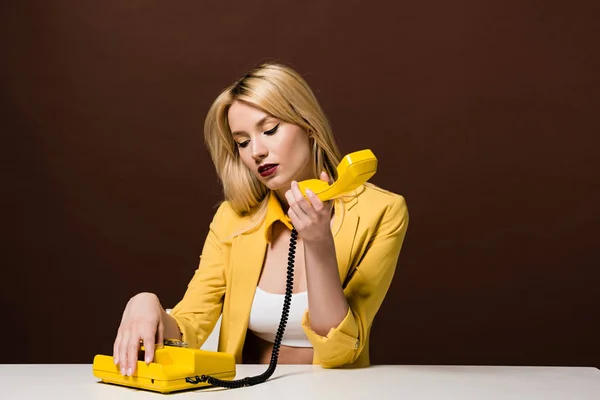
(267, 169)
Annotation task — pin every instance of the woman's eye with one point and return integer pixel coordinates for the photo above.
(272, 131)
(243, 144)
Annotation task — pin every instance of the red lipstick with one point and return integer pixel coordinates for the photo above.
(267, 169)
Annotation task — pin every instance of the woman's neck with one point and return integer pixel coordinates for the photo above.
(280, 193)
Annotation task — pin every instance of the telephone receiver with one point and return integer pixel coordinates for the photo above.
(354, 170)
(177, 367)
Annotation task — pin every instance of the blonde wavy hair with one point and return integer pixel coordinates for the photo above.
(281, 92)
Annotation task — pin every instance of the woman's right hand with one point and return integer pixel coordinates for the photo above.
(142, 320)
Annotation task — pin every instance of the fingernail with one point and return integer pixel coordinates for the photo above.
(308, 191)
(147, 359)
(122, 370)
(129, 371)
(116, 360)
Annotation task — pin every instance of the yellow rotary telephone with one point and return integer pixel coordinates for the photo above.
(177, 367)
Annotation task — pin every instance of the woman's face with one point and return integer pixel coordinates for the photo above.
(276, 152)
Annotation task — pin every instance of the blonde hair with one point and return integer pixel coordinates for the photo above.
(281, 92)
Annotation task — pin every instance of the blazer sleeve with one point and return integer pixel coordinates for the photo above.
(365, 292)
(199, 309)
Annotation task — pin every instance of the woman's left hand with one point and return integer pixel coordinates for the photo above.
(310, 216)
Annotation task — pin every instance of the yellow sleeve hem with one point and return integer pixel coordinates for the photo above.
(340, 344)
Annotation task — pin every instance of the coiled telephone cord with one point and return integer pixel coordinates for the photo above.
(254, 380)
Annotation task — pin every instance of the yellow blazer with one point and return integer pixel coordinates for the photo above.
(369, 227)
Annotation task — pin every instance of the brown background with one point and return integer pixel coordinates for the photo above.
(484, 115)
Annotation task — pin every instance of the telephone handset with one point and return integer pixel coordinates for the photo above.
(354, 170)
(177, 367)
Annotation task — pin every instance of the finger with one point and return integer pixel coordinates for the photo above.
(161, 333)
(295, 189)
(148, 338)
(302, 202)
(298, 217)
(132, 353)
(116, 346)
(317, 204)
(123, 352)
(325, 177)
(291, 200)
(290, 197)
(298, 225)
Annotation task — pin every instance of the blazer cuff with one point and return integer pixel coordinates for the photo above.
(188, 334)
(340, 344)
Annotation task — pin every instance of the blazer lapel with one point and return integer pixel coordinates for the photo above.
(344, 231)
(248, 253)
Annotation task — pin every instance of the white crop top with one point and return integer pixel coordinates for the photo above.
(265, 316)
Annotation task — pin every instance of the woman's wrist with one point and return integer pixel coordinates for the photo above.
(322, 243)
(170, 326)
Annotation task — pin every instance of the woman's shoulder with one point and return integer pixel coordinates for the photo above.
(227, 220)
(376, 206)
(382, 210)
(374, 198)
(226, 211)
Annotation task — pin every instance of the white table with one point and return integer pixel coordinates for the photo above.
(68, 381)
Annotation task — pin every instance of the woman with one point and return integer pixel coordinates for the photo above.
(265, 133)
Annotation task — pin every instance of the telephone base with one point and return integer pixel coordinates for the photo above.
(169, 370)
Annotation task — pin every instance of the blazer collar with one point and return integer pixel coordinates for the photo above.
(274, 213)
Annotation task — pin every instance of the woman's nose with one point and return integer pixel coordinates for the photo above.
(259, 150)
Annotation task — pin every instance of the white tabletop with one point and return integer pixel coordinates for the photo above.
(67, 381)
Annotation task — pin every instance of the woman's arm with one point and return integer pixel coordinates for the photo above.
(311, 218)
(365, 287)
(198, 311)
(326, 300)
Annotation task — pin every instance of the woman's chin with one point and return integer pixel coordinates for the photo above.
(276, 184)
